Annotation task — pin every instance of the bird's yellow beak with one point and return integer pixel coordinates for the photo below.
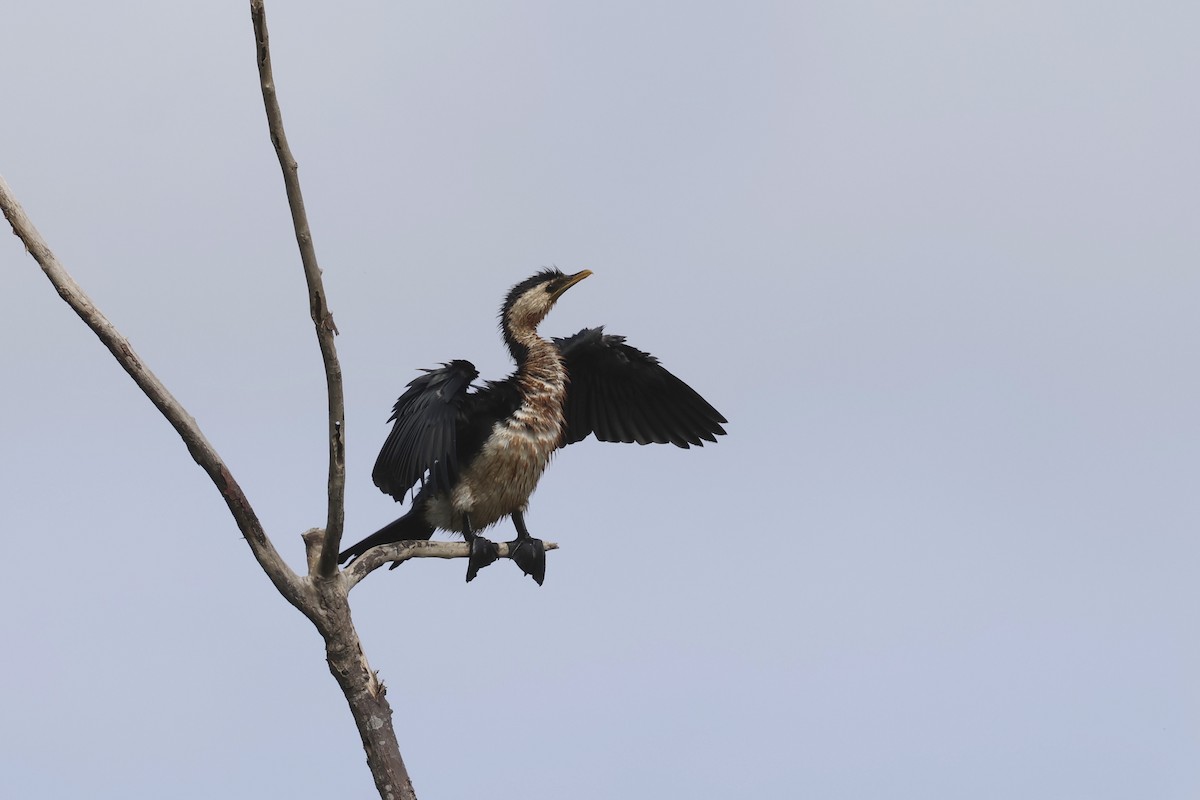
(569, 282)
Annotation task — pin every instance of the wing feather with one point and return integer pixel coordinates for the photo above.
(422, 445)
(621, 394)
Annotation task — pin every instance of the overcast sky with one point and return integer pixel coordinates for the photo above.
(938, 263)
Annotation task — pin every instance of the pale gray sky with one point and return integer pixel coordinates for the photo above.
(939, 264)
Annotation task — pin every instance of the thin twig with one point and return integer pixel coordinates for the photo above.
(202, 451)
(400, 552)
(319, 309)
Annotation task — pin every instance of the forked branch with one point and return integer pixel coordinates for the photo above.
(321, 596)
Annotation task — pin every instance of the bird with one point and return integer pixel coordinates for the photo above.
(475, 454)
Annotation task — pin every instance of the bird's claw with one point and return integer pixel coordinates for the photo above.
(483, 552)
(530, 555)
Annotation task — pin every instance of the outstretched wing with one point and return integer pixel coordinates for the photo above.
(424, 438)
(621, 394)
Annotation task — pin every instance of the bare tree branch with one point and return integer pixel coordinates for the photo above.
(330, 611)
(319, 309)
(322, 596)
(324, 602)
(277, 570)
(400, 552)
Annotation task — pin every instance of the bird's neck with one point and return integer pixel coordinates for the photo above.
(541, 379)
(539, 364)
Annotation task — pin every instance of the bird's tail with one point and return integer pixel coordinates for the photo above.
(410, 526)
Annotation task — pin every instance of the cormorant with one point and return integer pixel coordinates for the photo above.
(478, 453)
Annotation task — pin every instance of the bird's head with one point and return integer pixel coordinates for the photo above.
(531, 299)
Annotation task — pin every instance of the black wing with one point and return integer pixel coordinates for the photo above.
(621, 394)
(424, 438)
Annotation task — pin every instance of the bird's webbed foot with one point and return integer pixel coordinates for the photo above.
(530, 555)
(483, 552)
(527, 552)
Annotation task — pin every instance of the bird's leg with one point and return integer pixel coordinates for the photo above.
(483, 551)
(529, 553)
